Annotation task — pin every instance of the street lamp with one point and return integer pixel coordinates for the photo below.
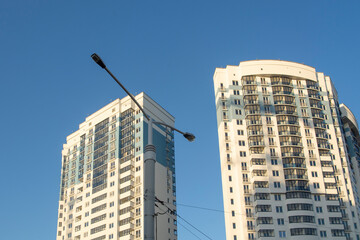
(149, 160)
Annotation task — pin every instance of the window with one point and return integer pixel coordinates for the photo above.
(280, 221)
(321, 221)
(319, 209)
(239, 122)
(242, 154)
(316, 185)
(282, 234)
(111, 215)
(277, 197)
(323, 234)
(279, 209)
(314, 174)
(274, 162)
(236, 92)
(229, 167)
(237, 111)
(275, 173)
(277, 185)
(230, 178)
(232, 201)
(237, 102)
(240, 132)
(231, 189)
(234, 225)
(241, 143)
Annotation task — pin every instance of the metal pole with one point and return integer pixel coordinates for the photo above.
(149, 185)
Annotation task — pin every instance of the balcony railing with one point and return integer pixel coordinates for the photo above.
(294, 165)
(292, 154)
(298, 188)
(287, 123)
(295, 176)
(289, 133)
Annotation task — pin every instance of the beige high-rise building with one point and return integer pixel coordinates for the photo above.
(102, 191)
(289, 153)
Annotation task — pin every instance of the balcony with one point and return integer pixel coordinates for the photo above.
(247, 83)
(315, 96)
(288, 112)
(283, 93)
(292, 154)
(317, 106)
(284, 102)
(313, 87)
(255, 133)
(257, 144)
(294, 165)
(319, 116)
(320, 125)
(286, 83)
(250, 92)
(294, 176)
(298, 188)
(289, 144)
(294, 133)
(251, 102)
(252, 112)
(253, 122)
(287, 123)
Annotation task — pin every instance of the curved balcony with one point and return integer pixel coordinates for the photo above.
(315, 96)
(287, 123)
(252, 112)
(253, 122)
(256, 144)
(286, 112)
(291, 144)
(313, 87)
(324, 146)
(251, 102)
(316, 106)
(281, 133)
(250, 92)
(285, 103)
(287, 93)
(322, 135)
(298, 188)
(294, 165)
(293, 154)
(255, 133)
(319, 116)
(281, 83)
(248, 82)
(296, 176)
(320, 125)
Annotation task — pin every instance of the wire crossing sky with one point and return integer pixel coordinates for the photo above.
(168, 49)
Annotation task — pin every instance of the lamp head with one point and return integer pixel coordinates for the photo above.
(189, 136)
(98, 60)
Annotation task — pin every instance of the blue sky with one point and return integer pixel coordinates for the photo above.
(168, 49)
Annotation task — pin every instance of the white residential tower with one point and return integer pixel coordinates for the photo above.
(102, 190)
(289, 153)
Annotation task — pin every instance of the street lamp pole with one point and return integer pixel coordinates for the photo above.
(149, 160)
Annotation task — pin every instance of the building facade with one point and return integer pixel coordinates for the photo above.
(101, 190)
(289, 153)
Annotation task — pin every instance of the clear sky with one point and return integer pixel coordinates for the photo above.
(168, 49)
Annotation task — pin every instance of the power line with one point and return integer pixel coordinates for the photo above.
(172, 216)
(175, 213)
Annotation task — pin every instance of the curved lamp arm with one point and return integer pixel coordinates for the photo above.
(189, 136)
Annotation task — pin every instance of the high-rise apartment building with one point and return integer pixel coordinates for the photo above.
(289, 153)
(102, 191)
